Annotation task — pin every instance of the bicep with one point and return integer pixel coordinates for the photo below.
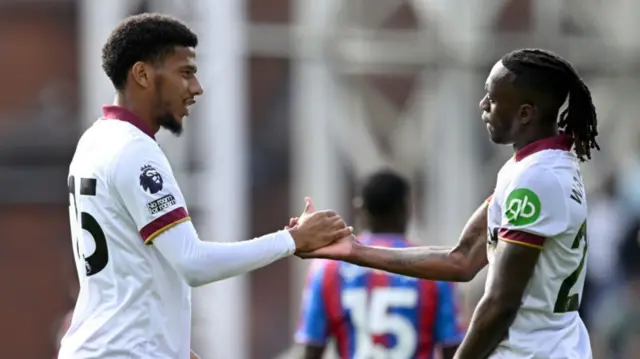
(513, 268)
(148, 190)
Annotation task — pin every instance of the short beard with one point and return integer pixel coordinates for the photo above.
(169, 122)
(166, 120)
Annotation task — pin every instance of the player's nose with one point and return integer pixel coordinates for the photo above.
(483, 103)
(195, 88)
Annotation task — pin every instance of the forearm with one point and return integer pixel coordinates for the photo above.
(459, 264)
(433, 263)
(489, 326)
(202, 262)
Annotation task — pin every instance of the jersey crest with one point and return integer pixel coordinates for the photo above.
(150, 179)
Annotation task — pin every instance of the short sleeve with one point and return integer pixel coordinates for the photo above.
(313, 324)
(449, 330)
(145, 183)
(534, 208)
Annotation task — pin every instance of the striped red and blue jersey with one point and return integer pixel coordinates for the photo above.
(375, 314)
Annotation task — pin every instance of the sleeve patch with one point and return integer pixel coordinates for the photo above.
(162, 223)
(522, 207)
(519, 237)
(161, 204)
(150, 179)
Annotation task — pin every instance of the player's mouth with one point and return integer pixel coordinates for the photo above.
(188, 104)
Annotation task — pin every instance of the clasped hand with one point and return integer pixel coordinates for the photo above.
(320, 234)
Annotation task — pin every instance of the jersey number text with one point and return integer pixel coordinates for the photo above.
(371, 316)
(97, 261)
(565, 302)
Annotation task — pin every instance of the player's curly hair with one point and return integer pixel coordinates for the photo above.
(384, 193)
(550, 74)
(144, 37)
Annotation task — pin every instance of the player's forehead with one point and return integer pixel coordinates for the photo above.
(499, 77)
(182, 56)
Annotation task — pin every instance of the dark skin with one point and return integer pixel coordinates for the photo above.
(513, 117)
(395, 223)
(160, 94)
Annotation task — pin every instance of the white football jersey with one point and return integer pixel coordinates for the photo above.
(132, 303)
(539, 201)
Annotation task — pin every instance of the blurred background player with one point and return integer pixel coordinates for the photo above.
(373, 314)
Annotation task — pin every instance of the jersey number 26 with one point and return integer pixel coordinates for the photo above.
(97, 261)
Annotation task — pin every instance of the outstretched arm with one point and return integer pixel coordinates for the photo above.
(459, 264)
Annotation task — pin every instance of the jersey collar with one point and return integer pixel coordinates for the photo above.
(112, 112)
(559, 142)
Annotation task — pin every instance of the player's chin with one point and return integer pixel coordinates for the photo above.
(496, 137)
(173, 125)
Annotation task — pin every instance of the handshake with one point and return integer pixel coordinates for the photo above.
(320, 234)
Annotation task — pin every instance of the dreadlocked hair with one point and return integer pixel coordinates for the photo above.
(552, 75)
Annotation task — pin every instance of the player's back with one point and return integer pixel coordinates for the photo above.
(375, 314)
(131, 304)
(543, 195)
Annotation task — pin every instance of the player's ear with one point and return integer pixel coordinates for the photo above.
(527, 112)
(140, 74)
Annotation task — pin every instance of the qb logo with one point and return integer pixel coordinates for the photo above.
(523, 207)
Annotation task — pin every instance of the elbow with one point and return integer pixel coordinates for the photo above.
(191, 276)
(464, 271)
(196, 277)
(193, 282)
(468, 272)
(464, 276)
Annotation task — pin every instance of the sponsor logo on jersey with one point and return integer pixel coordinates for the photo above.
(150, 179)
(523, 207)
(161, 204)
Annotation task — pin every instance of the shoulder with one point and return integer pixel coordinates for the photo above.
(534, 186)
(137, 151)
(537, 177)
(140, 146)
(536, 200)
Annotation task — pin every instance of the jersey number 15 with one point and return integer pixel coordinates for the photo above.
(97, 261)
(371, 316)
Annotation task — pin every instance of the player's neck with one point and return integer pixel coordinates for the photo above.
(144, 114)
(534, 136)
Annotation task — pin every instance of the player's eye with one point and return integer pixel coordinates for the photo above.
(187, 74)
